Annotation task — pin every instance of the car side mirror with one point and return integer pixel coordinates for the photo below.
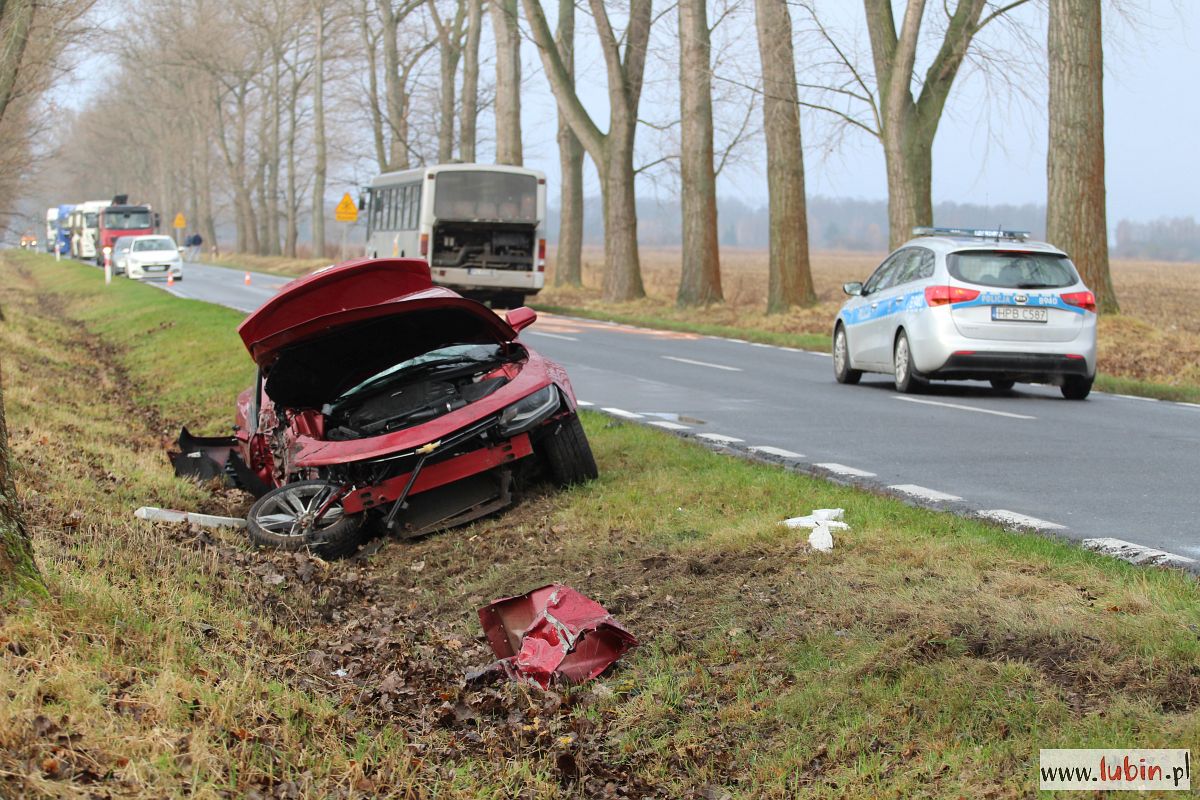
(854, 288)
(520, 318)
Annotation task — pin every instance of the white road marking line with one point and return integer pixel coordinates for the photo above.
(1136, 553)
(1135, 397)
(670, 426)
(1007, 517)
(702, 364)
(553, 336)
(1189, 405)
(819, 353)
(922, 492)
(760, 344)
(842, 469)
(584, 403)
(719, 438)
(776, 451)
(962, 407)
(620, 412)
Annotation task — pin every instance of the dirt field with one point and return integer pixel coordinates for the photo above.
(1156, 338)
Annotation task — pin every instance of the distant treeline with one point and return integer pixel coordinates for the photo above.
(841, 224)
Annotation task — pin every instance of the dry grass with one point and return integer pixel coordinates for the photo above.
(1156, 338)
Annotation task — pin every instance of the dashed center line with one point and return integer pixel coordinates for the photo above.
(1006, 517)
(924, 493)
(842, 469)
(960, 407)
(703, 364)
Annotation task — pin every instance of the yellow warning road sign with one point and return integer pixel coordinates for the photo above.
(180, 222)
(346, 211)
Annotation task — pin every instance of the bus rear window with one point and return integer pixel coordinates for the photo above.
(479, 195)
(1012, 269)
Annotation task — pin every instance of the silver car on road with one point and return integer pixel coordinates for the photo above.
(955, 304)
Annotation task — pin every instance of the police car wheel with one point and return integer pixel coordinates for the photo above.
(1075, 388)
(908, 381)
(1003, 385)
(841, 359)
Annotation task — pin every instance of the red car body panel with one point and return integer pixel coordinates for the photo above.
(334, 305)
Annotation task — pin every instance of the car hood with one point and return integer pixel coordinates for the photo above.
(327, 332)
(151, 256)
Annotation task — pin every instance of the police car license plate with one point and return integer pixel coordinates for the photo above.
(1020, 314)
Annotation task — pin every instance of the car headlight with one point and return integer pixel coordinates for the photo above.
(529, 411)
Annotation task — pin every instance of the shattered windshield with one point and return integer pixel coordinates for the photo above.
(451, 354)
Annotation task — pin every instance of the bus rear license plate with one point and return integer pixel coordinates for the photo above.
(486, 273)
(1020, 314)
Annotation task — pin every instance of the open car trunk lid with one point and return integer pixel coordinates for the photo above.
(326, 332)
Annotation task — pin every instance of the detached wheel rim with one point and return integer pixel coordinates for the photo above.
(902, 360)
(839, 351)
(292, 511)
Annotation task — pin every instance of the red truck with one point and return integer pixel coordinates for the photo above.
(122, 219)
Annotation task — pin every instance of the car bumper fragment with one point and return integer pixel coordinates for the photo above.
(552, 632)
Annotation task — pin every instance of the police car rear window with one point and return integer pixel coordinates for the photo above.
(1012, 269)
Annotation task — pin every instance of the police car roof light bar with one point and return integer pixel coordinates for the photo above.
(971, 232)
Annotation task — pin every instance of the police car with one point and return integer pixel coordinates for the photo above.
(958, 304)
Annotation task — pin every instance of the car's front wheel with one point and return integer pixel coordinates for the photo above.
(1076, 388)
(1003, 384)
(287, 518)
(566, 452)
(908, 380)
(841, 358)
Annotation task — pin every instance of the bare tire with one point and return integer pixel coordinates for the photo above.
(567, 454)
(841, 358)
(284, 518)
(1075, 388)
(1003, 385)
(908, 380)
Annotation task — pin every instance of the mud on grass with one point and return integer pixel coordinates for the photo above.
(926, 656)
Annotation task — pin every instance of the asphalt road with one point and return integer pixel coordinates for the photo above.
(1110, 467)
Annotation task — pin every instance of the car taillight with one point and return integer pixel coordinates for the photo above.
(424, 244)
(541, 259)
(1084, 300)
(941, 295)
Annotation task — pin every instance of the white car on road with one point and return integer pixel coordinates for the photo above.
(954, 304)
(153, 257)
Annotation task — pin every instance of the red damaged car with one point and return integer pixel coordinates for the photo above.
(382, 397)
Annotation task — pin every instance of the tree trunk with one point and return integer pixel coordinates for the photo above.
(568, 258)
(469, 110)
(700, 281)
(394, 90)
(622, 264)
(274, 162)
(1076, 215)
(320, 166)
(450, 41)
(790, 276)
(908, 154)
(508, 82)
(17, 568)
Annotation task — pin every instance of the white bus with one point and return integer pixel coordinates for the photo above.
(85, 228)
(481, 227)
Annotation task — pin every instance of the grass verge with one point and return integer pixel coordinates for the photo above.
(927, 655)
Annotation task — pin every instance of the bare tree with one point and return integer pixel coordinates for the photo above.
(612, 152)
(700, 280)
(450, 34)
(1076, 213)
(508, 82)
(790, 274)
(469, 107)
(320, 163)
(568, 258)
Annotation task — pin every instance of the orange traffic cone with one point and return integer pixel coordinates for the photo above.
(247, 281)
(170, 279)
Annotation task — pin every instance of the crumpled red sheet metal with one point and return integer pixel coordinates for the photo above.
(553, 632)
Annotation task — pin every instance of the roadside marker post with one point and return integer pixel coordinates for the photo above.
(179, 225)
(107, 268)
(57, 252)
(347, 214)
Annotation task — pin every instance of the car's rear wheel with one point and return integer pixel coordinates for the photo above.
(841, 358)
(1076, 388)
(1003, 385)
(285, 518)
(908, 380)
(567, 454)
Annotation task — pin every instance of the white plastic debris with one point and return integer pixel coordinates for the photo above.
(821, 539)
(821, 517)
(203, 520)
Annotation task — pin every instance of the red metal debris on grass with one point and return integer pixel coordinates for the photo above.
(552, 631)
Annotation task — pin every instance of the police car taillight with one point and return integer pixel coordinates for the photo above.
(1084, 300)
(942, 295)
